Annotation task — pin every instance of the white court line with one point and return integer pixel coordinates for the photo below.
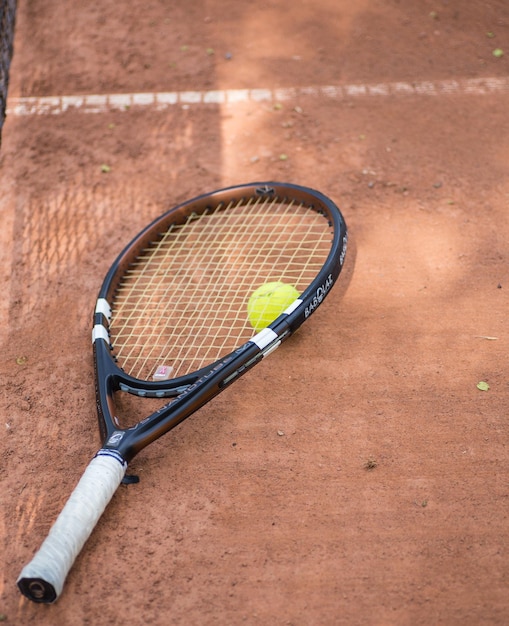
(56, 105)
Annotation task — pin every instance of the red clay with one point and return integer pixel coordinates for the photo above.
(357, 476)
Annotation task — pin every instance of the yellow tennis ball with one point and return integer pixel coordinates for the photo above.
(268, 302)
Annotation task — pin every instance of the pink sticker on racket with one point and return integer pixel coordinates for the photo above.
(163, 372)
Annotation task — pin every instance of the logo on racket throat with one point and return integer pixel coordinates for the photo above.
(115, 438)
(320, 294)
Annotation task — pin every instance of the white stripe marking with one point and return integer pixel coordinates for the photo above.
(167, 98)
(261, 95)
(214, 97)
(100, 332)
(237, 95)
(144, 99)
(191, 97)
(293, 306)
(120, 101)
(264, 338)
(102, 306)
(97, 103)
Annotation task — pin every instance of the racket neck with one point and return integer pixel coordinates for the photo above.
(129, 442)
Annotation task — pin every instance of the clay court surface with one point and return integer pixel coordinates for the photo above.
(358, 476)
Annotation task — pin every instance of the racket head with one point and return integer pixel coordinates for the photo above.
(176, 296)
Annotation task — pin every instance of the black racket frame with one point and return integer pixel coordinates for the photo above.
(190, 392)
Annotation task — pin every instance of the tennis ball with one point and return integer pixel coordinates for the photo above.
(268, 302)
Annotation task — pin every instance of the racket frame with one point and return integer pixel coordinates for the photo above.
(188, 393)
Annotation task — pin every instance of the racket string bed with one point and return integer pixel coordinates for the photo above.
(185, 299)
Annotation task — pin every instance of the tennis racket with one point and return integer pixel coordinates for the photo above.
(171, 322)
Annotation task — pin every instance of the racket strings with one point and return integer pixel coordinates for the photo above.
(183, 302)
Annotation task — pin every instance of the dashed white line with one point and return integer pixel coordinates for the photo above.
(100, 103)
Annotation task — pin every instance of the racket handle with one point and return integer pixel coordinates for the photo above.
(42, 579)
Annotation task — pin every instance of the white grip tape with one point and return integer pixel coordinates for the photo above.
(76, 521)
